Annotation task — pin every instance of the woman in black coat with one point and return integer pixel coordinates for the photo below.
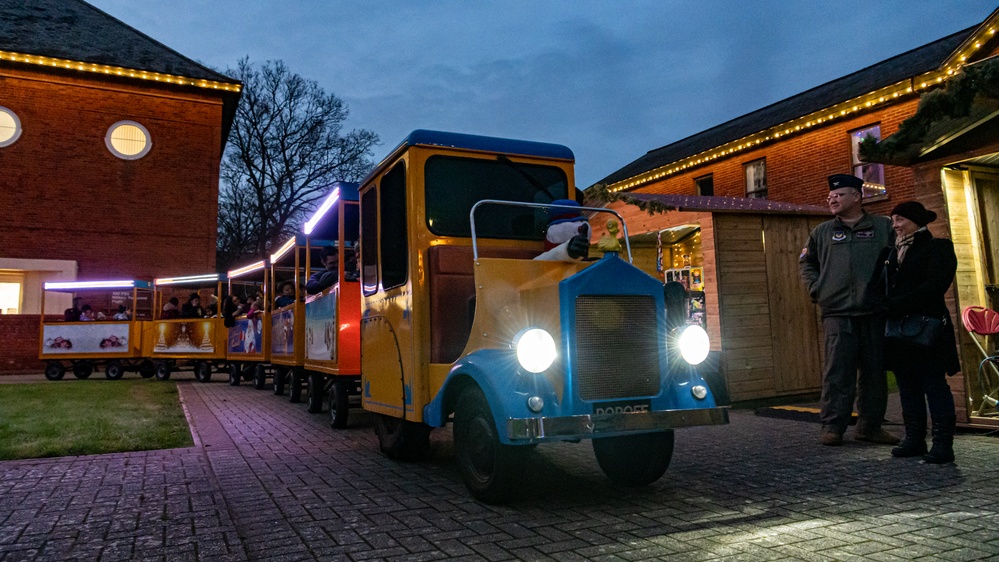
(920, 269)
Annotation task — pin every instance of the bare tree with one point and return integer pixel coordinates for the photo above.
(287, 145)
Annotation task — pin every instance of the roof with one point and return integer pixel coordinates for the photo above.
(77, 31)
(717, 204)
(901, 67)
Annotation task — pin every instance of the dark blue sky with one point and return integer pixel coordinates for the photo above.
(610, 79)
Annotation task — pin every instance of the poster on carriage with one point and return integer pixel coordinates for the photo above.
(320, 328)
(196, 336)
(283, 332)
(91, 337)
(245, 336)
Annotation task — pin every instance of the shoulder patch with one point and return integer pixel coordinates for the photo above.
(804, 252)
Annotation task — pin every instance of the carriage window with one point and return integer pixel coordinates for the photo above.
(454, 184)
(394, 244)
(369, 244)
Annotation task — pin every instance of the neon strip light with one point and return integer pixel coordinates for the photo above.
(188, 279)
(283, 250)
(247, 269)
(120, 284)
(327, 204)
(119, 71)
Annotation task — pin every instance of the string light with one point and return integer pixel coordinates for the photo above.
(119, 71)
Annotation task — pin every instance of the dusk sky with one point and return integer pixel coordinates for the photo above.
(610, 79)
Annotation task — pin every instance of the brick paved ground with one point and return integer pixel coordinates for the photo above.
(268, 481)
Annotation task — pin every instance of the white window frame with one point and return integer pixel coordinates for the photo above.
(122, 155)
(870, 173)
(753, 189)
(17, 127)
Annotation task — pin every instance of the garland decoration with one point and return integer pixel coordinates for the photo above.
(600, 193)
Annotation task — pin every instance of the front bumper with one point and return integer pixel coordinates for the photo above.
(590, 425)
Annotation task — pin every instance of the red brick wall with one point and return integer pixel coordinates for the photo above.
(64, 196)
(19, 343)
(798, 165)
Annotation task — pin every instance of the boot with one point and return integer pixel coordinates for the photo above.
(873, 433)
(914, 443)
(943, 440)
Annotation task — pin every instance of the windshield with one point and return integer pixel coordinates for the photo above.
(454, 184)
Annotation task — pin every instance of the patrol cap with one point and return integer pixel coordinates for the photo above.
(837, 181)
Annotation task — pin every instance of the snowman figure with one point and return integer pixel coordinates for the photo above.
(567, 237)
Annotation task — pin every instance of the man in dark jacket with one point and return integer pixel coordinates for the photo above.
(328, 276)
(837, 266)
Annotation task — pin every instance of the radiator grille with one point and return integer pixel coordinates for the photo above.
(617, 346)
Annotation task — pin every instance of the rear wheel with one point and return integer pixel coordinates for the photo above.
(635, 460)
(280, 373)
(163, 370)
(235, 374)
(400, 439)
(295, 386)
(147, 369)
(202, 371)
(489, 468)
(260, 377)
(83, 369)
(54, 371)
(114, 370)
(338, 404)
(316, 393)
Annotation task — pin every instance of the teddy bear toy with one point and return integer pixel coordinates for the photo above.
(567, 237)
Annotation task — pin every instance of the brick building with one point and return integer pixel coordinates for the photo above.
(785, 151)
(110, 144)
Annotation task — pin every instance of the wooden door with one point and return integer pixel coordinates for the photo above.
(987, 186)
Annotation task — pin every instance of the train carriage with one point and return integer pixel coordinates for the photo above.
(194, 342)
(85, 345)
(248, 340)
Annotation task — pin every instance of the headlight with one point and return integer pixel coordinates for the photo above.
(694, 344)
(535, 350)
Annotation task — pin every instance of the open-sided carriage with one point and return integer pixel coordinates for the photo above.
(82, 346)
(249, 334)
(193, 342)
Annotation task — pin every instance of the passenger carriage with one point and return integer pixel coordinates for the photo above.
(178, 343)
(249, 336)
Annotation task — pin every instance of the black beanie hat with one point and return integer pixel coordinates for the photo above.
(914, 211)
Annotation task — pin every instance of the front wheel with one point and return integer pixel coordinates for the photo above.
(338, 404)
(260, 377)
(114, 370)
(83, 369)
(202, 371)
(401, 439)
(147, 369)
(295, 386)
(235, 374)
(315, 393)
(54, 371)
(635, 460)
(280, 373)
(163, 370)
(489, 468)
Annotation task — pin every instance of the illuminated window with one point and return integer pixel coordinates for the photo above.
(756, 179)
(10, 127)
(872, 174)
(10, 298)
(128, 140)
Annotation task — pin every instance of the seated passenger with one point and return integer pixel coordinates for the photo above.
(350, 272)
(256, 306)
(287, 295)
(567, 237)
(213, 306)
(123, 313)
(327, 277)
(171, 309)
(192, 308)
(87, 314)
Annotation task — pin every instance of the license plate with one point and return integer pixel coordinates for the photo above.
(621, 407)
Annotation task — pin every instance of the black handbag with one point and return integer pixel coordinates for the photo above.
(914, 329)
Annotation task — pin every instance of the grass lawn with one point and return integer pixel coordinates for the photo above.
(56, 419)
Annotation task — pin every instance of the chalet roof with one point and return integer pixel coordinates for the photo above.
(77, 31)
(901, 67)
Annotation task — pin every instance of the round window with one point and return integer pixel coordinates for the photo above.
(10, 127)
(128, 140)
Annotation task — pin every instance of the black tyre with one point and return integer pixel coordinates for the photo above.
(635, 460)
(147, 369)
(339, 405)
(260, 377)
(295, 386)
(235, 374)
(400, 439)
(489, 468)
(248, 371)
(54, 370)
(83, 369)
(202, 372)
(316, 392)
(114, 370)
(163, 370)
(280, 374)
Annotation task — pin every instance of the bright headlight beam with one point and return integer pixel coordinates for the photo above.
(535, 350)
(694, 344)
